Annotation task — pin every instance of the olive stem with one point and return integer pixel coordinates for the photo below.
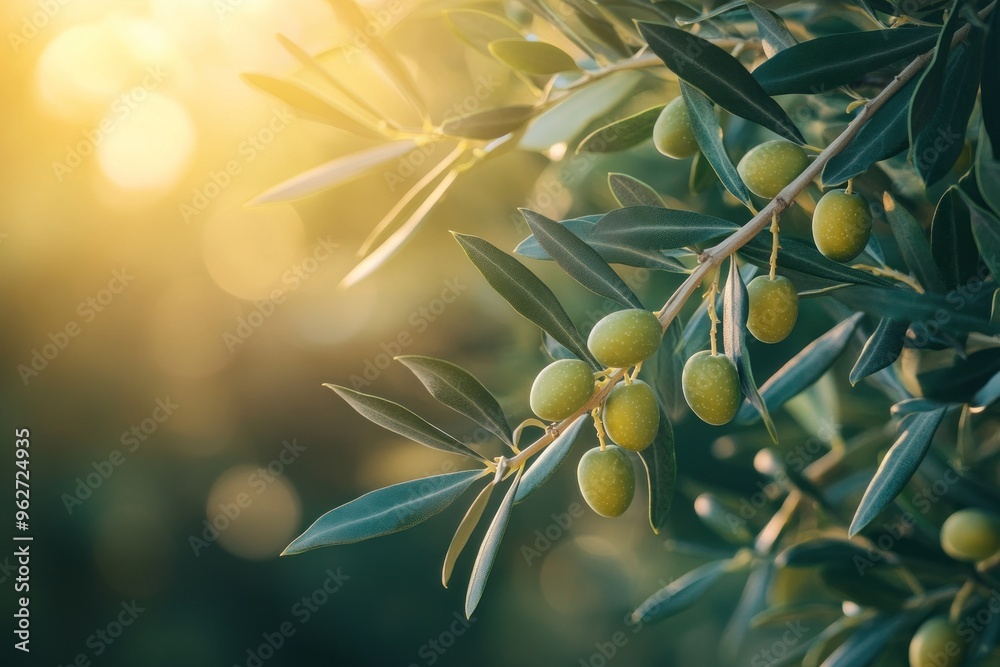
(599, 427)
(849, 190)
(775, 245)
(891, 273)
(712, 315)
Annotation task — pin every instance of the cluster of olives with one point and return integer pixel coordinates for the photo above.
(630, 415)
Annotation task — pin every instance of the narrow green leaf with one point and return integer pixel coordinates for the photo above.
(990, 84)
(536, 58)
(989, 393)
(549, 460)
(942, 139)
(461, 391)
(718, 11)
(952, 242)
(385, 511)
(309, 104)
(881, 349)
(630, 191)
(661, 228)
(669, 368)
(804, 368)
(825, 63)
(478, 28)
(660, 461)
(334, 173)
(752, 602)
(489, 123)
(621, 134)
(897, 467)
(986, 230)
(525, 292)
(821, 551)
(489, 548)
(988, 171)
(736, 309)
(884, 135)
(795, 255)
(927, 96)
(681, 593)
(720, 76)
(709, 136)
(913, 246)
(774, 36)
(394, 417)
(702, 177)
(464, 531)
(579, 260)
(913, 405)
(866, 643)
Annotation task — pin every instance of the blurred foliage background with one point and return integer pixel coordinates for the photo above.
(131, 146)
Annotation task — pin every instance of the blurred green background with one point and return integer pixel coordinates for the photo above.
(166, 346)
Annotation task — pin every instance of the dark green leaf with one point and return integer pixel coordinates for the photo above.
(385, 511)
(866, 643)
(525, 292)
(883, 136)
(720, 76)
(478, 28)
(804, 368)
(881, 349)
(394, 417)
(669, 368)
(464, 532)
(549, 460)
(660, 228)
(736, 309)
(823, 64)
(897, 467)
(660, 462)
(952, 241)
(990, 84)
(489, 548)
(988, 172)
(681, 593)
(308, 104)
(579, 260)
(796, 256)
(913, 246)
(621, 134)
(927, 96)
(490, 123)
(460, 391)
(709, 136)
(702, 176)
(774, 36)
(913, 405)
(942, 139)
(630, 191)
(919, 309)
(536, 58)
(986, 230)
(821, 551)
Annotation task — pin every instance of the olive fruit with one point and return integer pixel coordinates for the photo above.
(632, 415)
(711, 387)
(561, 388)
(971, 535)
(774, 308)
(672, 133)
(766, 169)
(625, 338)
(607, 480)
(936, 643)
(841, 225)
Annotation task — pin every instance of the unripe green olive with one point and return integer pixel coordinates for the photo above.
(672, 133)
(766, 169)
(774, 308)
(841, 225)
(711, 387)
(971, 535)
(607, 480)
(936, 643)
(562, 388)
(632, 415)
(625, 338)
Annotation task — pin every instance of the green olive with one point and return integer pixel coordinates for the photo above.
(774, 308)
(971, 535)
(936, 643)
(841, 225)
(607, 480)
(562, 388)
(625, 338)
(766, 169)
(632, 415)
(672, 133)
(711, 387)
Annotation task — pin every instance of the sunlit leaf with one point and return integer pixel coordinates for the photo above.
(621, 134)
(537, 58)
(489, 123)
(630, 191)
(718, 11)
(662, 228)
(464, 532)
(478, 28)
(489, 548)
(774, 36)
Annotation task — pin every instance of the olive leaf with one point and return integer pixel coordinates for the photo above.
(489, 548)
(913, 246)
(489, 123)
(464, 532)
(774, 36)
(630, 191)
(707, 132)
(681, 593)
(621, 134)
(881, 349)
(550, 459)
(952, 241)
(537, 58)
(660, 462)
